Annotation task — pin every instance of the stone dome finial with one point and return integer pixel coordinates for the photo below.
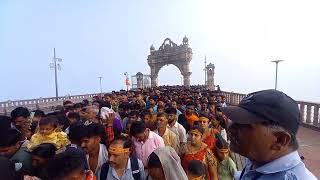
(152, 48)
(185, 40)
(210, 65)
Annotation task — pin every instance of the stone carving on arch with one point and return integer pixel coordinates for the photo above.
(170, 53)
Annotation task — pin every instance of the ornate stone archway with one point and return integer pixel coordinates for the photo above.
(170, 53)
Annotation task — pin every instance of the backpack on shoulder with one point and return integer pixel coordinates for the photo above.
(134, 167)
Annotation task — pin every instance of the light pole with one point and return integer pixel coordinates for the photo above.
(100, 80)
(205, 71)
(56, 66)
(276, 81)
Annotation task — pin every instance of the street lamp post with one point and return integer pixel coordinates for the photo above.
(100, 80)
(56, 66)
(276, 81)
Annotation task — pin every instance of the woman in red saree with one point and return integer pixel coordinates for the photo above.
(209, 135)
(197, 150)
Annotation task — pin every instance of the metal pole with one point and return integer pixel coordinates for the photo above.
(55, 72)
(276, 80)
(100, 78)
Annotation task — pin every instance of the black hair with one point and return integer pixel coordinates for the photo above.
(74, 115)
(221, 120)
(49, 120)
(221, 143)
(127, 143)
(63, 164)
(197, 168)
(135, 106)
(63, 120)
(9, 137)
(137, 127)
(39, 113)
(76, 132)
(162, 115)
(20, 112)
(152, 97)
(171, 110)
(5, 123)
(45, 150)
(103, 103)
(67, 102)
(95, 129)
(154, 161)
(124, 106)
(85, 102)
(145, 113)
(133, 113)
(107, 95)
(212, 104)
(197, 127)
(77, 105)
(190, 103)
(33, 127)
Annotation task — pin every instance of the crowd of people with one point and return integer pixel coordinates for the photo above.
(163, 133)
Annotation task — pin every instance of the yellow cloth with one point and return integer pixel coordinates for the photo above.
(171, 139)
(58, 139)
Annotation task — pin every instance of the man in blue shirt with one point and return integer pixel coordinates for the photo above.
(263, 128)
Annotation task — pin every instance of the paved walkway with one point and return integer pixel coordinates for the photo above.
(309, 141)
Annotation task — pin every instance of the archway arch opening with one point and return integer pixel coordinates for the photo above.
(169, 75)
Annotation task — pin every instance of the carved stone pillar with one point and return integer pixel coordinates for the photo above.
(210, 75)
(154, 82)
(139, 76)
(186, 79)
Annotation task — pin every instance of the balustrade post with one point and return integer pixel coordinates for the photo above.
(302, 112)
(308, 118)
(316, 115)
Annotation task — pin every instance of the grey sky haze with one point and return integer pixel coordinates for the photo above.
(107, 38)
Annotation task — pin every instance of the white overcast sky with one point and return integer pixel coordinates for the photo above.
(107, 38)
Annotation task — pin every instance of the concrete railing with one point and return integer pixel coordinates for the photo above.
(46, 104)
(309, 111)
(310, 114)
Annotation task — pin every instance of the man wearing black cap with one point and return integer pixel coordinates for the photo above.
(263, 128)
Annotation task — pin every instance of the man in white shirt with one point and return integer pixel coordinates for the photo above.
(174, 126)
(97, 153)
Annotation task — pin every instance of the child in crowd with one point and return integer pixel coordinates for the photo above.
(196, 170)
(48, 133)
(226, 167)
